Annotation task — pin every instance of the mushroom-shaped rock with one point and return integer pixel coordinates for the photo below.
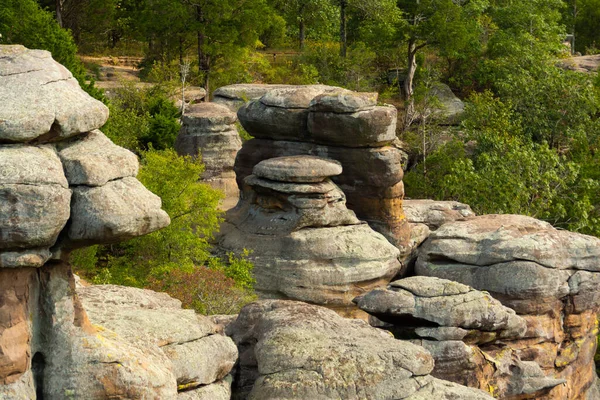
(304, 169)
(41, 100)
(208, 117)
(292, 350)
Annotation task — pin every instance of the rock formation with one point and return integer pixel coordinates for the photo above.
(549, 277)
(292, 350)
(64, 185)
(185, 342)
(338, 124)
(235, 96)
(209, 130)
(465, 331)
(306, 244)
(425, 216)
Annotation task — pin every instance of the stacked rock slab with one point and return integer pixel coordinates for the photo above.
(549, 277)
(63, 185)
(292, 350)
(199, 358)
(425, 216)
(208, 130)
(235, 96)
(306, 245)
(464, 330)
(338, 124)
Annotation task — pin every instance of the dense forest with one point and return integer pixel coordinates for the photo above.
(526, 144)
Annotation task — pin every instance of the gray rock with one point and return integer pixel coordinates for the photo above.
(24, 258)
(304, 169)
(370, 128)
(451, 108)
(296, 96)
(295, 350)
(435, 213)
(220, 390)
(92, 159)
(440, 302)
(22, 389)
(120, 210)
(277, 123)
(32, 216)
(40, 100)
(344, 102)
(208, 117)
(443, 390)
(235, 96)
(31, 165)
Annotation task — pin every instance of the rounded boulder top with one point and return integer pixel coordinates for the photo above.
(212, 113)
(41, 100)
(303, 169)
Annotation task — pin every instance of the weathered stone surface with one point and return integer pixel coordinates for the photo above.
(235, 96)
(370, 128)
(40, 100)
(196, 354)
(546, 275)
(427, 300)
(450, 108)
(208, 117)
(24, 258)
(119, 210)
(92, 159)
(296, 96)
(342, 102)
(32, 216)
(435, 213)
(371, 179)
(31, 165)
(294, 350)
(208, 131)
(303, 169)
(220, 390)
(277, 123)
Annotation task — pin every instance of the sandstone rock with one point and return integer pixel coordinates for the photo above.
(296, 96)
(428, 300)
(370, 128)
(220, 390)
(451, 108)
(541, 273)
(435, 213)
(40, 100)
(303, 169)
(294, 350)
(93, 159)
(208, 131)
(235, 96)
(119, 210)
(31, 165)
(263, 121)
(344, 102)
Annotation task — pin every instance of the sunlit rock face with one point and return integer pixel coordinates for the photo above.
(338, 124)
(306, 245)
(63, 185)
(549, 277)
(208, 131)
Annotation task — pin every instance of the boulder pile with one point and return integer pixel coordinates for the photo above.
(465, 331)
(208, 130)
(337, 124)
(306, 244)
(235, 96)
(292, 350)
(549, 277)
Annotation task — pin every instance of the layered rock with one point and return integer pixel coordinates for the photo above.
(345, 126)
(188, 343)
(549, 277)
(464, 330)
(426, 216)
(63, 185)
(306, 244)
(292, 350)
(208, 130)
(235, 96)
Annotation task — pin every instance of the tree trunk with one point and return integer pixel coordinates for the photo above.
(408, 84)
(343, 39)
(59, 18)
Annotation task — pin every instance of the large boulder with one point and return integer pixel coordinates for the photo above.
(292, 350)
(548, 276)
